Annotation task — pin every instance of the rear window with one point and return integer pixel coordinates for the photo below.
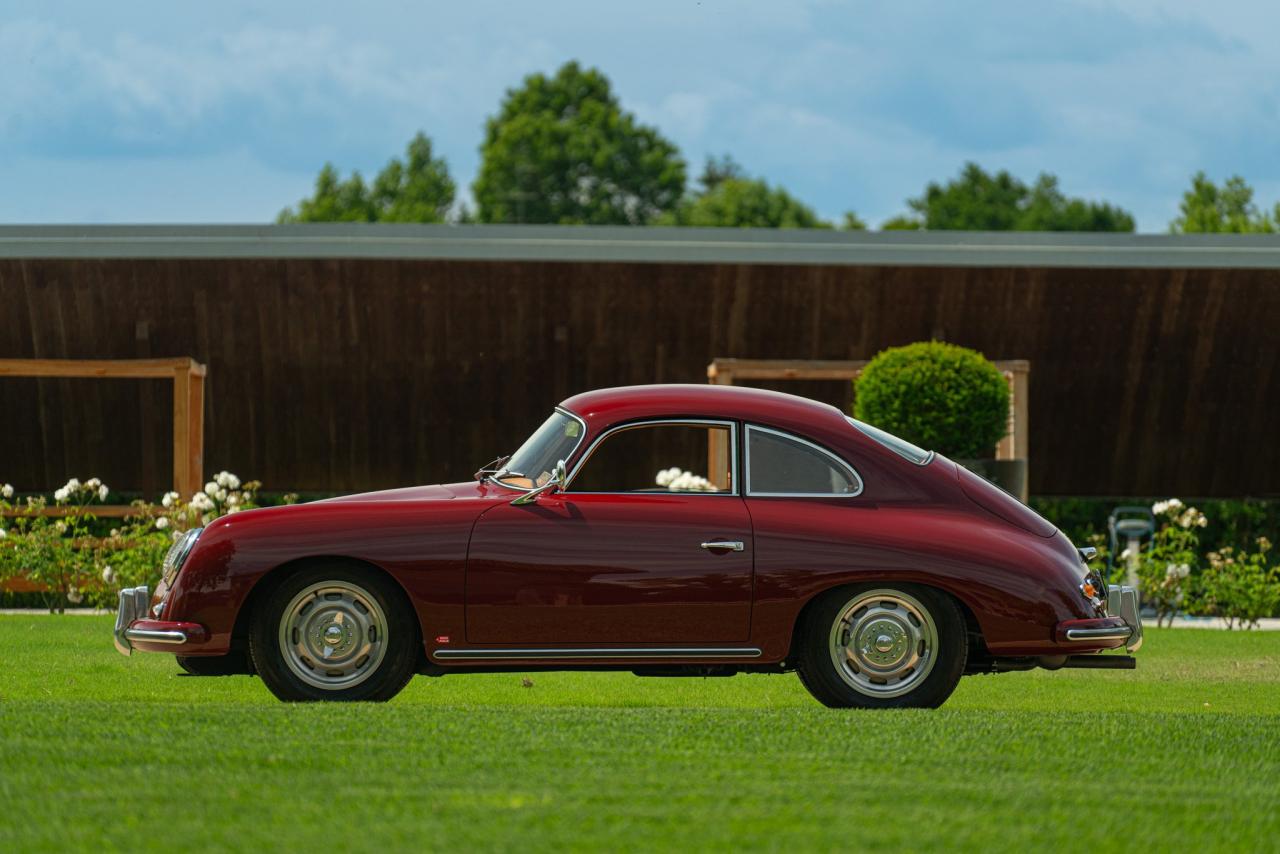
(901, 447)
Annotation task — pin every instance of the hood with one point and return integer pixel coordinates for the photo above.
(406, 493)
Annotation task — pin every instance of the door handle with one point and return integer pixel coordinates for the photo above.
(727, 545)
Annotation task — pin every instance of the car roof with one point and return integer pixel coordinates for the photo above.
(605, 407)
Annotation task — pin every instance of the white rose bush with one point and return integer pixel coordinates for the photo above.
(54, 552)
(74, 562)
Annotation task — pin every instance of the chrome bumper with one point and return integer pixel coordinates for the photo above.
(134, 602)
(1122, 602)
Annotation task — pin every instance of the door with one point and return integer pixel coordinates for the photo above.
(649, 544)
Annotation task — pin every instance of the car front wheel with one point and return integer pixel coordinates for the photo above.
(882, 646)
(334, 632)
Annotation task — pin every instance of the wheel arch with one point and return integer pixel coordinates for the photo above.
(277, 575)
(977, 642)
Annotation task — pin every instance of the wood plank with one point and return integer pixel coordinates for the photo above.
(102, 511)
(97, 368)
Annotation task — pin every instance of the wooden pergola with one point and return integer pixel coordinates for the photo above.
(188, 407)
(1016, 372)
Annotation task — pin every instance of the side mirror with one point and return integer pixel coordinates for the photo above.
(554, 484)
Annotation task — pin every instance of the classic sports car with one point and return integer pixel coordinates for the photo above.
(667, 530)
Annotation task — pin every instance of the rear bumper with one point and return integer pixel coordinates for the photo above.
(133, 631)
(1122, 626)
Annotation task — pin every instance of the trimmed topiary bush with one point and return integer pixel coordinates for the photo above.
(939, 396)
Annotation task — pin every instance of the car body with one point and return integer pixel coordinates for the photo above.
(714, 575)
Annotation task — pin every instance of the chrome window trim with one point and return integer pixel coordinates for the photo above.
(929, 455)
(839, 462)
(631, 425)
(576, 445)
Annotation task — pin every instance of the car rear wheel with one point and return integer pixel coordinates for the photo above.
(334, 632)
(881, 646)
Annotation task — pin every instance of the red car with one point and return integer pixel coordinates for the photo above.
(667, 530)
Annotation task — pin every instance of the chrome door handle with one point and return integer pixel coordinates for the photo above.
(728, 545)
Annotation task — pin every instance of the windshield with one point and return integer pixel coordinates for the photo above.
(533, 464)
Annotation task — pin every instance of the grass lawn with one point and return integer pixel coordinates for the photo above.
(97, 751)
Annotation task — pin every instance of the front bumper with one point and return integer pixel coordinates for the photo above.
(133, 627)
(1122, 626)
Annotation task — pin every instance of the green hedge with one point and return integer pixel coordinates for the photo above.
(942, 397)
(1235, 522)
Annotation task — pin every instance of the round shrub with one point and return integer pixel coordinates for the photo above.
(942, 397)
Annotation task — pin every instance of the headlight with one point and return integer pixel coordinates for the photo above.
(177, 554)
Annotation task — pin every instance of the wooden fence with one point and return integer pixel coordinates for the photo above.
(349, 374)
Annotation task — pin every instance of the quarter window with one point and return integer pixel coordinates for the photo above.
(781, 464)
(660, 457)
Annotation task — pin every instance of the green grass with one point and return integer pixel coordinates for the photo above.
(97, 751)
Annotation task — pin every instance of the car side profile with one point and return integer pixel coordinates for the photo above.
(666, 530)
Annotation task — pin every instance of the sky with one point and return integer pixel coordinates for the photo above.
(224, 112)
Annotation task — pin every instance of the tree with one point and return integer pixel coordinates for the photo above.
(418, 189)
(562, 150)
(729, 198)
(745, 203)
(978, 201)
(1207, 208)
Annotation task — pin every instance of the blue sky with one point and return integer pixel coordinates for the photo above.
(223, 112)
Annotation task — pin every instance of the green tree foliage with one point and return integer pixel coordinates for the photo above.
(562, 150)
(978, 201)
(417, 189)
(729, 198)
(939, 396)
(1229, 209)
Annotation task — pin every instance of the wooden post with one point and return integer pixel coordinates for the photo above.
(188, 428)
(188, 377)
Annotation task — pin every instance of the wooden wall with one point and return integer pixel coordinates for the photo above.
(339, 375)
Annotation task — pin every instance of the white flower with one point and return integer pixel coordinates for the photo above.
(72, 485)
(233, 499)
(221, 495)
(233, 509)
(74, 596)
(169, 498)
(6, 491)
(60, 494)
(60, 527)
(201, 502)
(3, 533)
(211, 488)
(233, 482)
(1162, 507)
(1180, 570)
(115, 532)
(1124, 555)
(93, 483)
(162, 523)
(108, 575)
(102, 492)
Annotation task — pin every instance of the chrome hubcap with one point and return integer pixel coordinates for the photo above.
(884, 643)
(333, 635)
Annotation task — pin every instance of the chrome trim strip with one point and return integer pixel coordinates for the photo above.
(630, 653)
(574, 450)
(791, 436)
(152, 636)
(708, 422)
(1121, 633)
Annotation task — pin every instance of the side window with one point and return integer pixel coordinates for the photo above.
(660, 457)
(780, 464)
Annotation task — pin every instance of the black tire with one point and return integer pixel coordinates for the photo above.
(883, 609)
(231, 664)
(380, 629)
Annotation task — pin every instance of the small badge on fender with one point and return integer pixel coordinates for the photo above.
(442, 639)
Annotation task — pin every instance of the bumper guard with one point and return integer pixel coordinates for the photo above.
(132, 623)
